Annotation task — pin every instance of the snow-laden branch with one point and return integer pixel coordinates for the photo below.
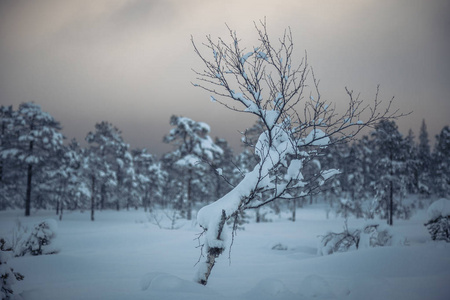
(266, 82)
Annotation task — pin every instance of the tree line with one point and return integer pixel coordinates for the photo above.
(38, 170)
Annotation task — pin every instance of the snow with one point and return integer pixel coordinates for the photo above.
(124, 256)
(294, 169)
(330, 173)
(245, 57)
(316, 138)
(262, 55)
(189, 160)
(439, 208)
(271, 117)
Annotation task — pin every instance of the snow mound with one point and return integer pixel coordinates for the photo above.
(163, 282)
(268, 289)
(316, 287)
(370, 288)
(439, 208)
(39, 240)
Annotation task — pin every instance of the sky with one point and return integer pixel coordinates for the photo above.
(130, 62)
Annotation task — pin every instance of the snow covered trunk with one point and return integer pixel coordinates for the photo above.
(273, 146)
(212, 218)
(213, 253)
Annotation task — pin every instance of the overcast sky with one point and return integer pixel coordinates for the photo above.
(129, 62)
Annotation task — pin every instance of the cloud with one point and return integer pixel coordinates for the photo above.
(129, 62)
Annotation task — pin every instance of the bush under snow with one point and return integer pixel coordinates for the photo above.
(371, 235)
(438, 222)
(7, 275)
(38, 241)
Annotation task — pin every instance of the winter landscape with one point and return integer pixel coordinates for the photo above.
(125, 255)
(323, 199)
(105, 222)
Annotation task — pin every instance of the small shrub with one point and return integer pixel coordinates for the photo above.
(439, 229)
(7, 275)
(371, 235)
(375, 235)
(438, 223)
(279, 246)
(38, 241)
(339, 242)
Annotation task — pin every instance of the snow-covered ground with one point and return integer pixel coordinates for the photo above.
(122, 255)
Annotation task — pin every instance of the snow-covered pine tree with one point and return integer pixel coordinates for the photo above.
(424, 180)
(37, 140)
(96, 173)
(333, 157)
(412, 164)
(441, 163)
(77, 189)
(352, 181)
(390, 167)
(11, 172)
(150, 177)
(127, 182)
(223, 167)
(8, 277)
(107, 144)
(266, 82)
(195, 151)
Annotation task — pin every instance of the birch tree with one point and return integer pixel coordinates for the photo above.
(269, 82)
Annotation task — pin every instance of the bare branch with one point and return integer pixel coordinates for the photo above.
(267, 82)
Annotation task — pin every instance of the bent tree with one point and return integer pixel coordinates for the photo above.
(265, 81)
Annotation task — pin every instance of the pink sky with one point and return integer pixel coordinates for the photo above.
(129, 62)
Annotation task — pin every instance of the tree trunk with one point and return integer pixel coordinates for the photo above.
(29, 178)
(213, 253)
(102, 197)
(93, 198)
(28, 195)
(1, 170)
(391, 204)
(61, 210)
(391, 192)
(294, 209)
(189, 192)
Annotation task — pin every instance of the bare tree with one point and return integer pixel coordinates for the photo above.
(266, 81)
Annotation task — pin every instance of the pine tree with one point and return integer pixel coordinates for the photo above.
(194, 153)
(38, 141)
(441, 163)
(390, 168)
(11, 172)
(412, 164)
(148, 186)
(424, 183)
(223, 169)
(110, 151)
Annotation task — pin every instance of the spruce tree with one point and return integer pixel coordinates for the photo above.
(441, 163)
(390, 168)
(424, 183)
